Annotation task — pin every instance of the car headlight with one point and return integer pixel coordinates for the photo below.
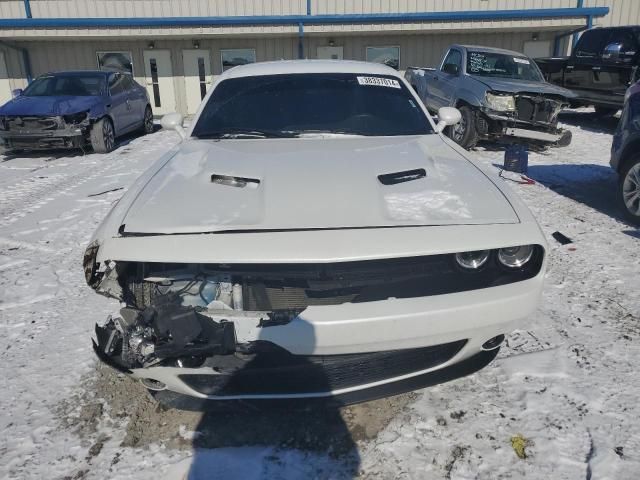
(75, 118)
(472, 260)
(500, 103)
(515, 257)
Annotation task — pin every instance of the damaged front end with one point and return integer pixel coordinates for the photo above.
(46, 131)
(165, 333)
(212, 315)
(524, 115)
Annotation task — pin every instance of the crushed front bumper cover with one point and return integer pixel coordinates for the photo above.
(44, 132)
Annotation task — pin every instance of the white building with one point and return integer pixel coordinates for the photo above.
(177, 47)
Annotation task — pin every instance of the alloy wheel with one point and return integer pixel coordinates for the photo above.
(459, 130)
(631, 190)
(148, 120)
(107, 132)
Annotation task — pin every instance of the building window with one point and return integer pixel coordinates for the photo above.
(115, 61)
(237, 56)
(389, 56)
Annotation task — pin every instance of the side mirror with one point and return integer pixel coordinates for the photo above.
(16, 93)
(447, 116)
(173, 121)
(613, 51)
(451, 69)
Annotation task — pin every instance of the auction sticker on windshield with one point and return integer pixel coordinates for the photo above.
(379, 82)
(521, 60)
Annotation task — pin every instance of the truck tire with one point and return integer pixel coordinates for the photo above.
(606, 111)
(103, 136)
(464, 133)
(629, 189)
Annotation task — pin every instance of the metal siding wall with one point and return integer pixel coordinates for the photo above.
(68, 55)
(621, 12)
(421, 50)
(12, 9)
(155, 8)
(387, 6)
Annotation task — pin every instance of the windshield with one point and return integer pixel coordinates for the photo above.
(75, 85)
(298, 104)
(489, 64)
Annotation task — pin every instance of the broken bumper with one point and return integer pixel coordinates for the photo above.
(71, 136)
(351, 352)
(466, 367)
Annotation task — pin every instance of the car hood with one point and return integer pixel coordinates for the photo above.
(314, 183)
(517, 86)
(55, 105)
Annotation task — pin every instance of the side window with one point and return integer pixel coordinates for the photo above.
(592, 43)
(116, 84)
(454, 57)
(127, 82)
(626, 38)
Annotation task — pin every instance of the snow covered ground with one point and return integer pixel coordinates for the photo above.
(563, 392)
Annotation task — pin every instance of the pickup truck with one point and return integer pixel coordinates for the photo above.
(603, 64)
(501, 95)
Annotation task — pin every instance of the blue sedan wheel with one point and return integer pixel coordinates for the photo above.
(103, 138)
(148, 120)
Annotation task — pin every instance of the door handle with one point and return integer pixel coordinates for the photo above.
(570, 67)
(595, 68)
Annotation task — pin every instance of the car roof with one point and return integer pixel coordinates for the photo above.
(309, 66)
(480, 48)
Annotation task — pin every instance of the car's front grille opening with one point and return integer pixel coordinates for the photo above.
(536, 109)
(269, 287)
(276, 371)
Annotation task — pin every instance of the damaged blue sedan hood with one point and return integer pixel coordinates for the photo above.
(54, 105)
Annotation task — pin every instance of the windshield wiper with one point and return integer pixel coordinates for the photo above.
(243, 133)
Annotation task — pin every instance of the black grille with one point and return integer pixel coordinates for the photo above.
(280, 372)
(294, 287)
(536, 109)
(283, 287)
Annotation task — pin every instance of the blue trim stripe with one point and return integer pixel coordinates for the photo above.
(475, 15)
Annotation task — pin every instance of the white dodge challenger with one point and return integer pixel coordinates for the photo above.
(314, 236)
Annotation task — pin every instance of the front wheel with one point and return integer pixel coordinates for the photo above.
(464, 133)
(147, 125)
(103, 137)
(629, 190)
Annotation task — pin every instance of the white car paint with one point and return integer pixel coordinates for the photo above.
(321, 196)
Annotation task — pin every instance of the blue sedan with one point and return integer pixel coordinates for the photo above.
(74, 110)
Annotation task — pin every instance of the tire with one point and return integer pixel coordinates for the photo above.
(464, 133)
(629, 190)
(606, 111)
(147, 121)
(103, 138)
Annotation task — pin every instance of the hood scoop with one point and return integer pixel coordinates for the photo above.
(401, 177)
(233, 181)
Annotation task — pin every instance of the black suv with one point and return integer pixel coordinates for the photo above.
(603, 64)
